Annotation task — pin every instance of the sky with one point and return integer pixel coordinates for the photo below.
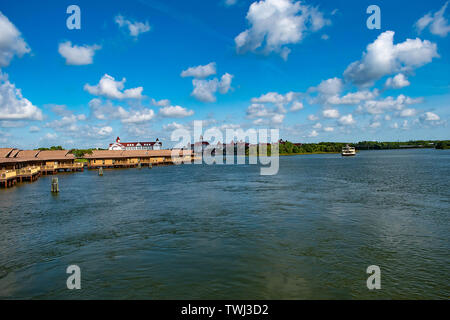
(139, 69)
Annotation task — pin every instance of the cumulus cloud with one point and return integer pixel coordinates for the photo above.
(174, 126)
(13, 106)
(296, 106)
(347, 120)
(375, 125)
(66, 123)
(175, 112)
(313, 134)
(200, 72)
(161, 103)
(11, 42)
(387, 104)
(383, 57)
(329, 93)
(312, 117)
(397, 82)
(328, 129)
(274, 24)
(408, 112)
(205, 90)
(77, 55)
(107, 111)
(430, 116)
(275, 98)
(264, 115)
(330, 113)
(112, 89)
(135, 28)
(138, 116)
(104, 131)
(436, 23)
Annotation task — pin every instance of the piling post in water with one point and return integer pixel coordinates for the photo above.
(139, 165)
(100, 171)
(55, 185)
(150, 166)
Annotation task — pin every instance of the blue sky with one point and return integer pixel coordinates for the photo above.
(312, 69)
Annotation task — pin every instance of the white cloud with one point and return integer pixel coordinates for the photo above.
(313, 133)
(388, 104)
(397, 82)
(280, 101)
(325, 37)
(205, 90)
(173, 126)
(312, 117)
(104, 131)
(138, 116)
(67, 123)
(200, 72)
(317, 126)
(382, 58)
(11, 42)
(135, 28)
(430, 116)
(161, 103)
(328, 129)
(107, 111)
(13, 106)
(347, 120)
(296, 106)
(408, 113)
(112, 89)
(330, 113)
(175, 112)
(375, 124)
(274, 24)
(260, 112)
(225, 83)
(275, 98)
(77, 55)
(436, 23)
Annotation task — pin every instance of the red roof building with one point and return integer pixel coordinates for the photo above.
(118, 145)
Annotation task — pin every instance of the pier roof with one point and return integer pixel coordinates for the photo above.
(55, 155)
(4, 152)
(22, 154)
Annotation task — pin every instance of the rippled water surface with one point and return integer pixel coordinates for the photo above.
(215, 232)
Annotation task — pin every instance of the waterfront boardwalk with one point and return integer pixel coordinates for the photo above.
(17, 166)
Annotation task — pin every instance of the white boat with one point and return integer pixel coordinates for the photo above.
(348, 151)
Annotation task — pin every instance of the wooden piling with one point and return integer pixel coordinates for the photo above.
(100, 171)
(55, 185)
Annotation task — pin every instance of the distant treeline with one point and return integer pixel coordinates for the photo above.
(375, 145)
(287, 147)
(443, 144)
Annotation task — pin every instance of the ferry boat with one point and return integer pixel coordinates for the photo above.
(348, 151)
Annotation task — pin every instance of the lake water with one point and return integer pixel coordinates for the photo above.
(217, 232)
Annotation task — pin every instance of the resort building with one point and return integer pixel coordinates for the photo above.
(19, 165)
(134, 158)
(121, 146)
